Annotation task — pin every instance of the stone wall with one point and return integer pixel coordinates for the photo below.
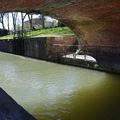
(108, 57)
(6, 46)
(35, 48)
(60, 46)
(53, 48)
(40, 48)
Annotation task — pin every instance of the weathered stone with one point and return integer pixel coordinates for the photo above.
(61, 45)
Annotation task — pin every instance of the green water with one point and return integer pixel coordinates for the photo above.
(55, 92)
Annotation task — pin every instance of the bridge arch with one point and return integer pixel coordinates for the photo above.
(95, 22)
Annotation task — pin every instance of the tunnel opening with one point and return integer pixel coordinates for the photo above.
(30, 25)
(85, 28)
(96, 23)
(62, 43)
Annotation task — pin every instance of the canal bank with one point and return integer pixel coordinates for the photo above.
(59, 92)
(53, 49)
(40, 48)
(44, 49)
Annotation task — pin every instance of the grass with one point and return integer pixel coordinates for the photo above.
(6, 37)
(60, 31)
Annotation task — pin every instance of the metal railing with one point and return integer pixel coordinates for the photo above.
(88, 50)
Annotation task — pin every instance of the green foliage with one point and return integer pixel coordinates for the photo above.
(61, 31)
(51, 31)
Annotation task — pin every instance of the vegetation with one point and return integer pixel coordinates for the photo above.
(59, 31)
(36, 25)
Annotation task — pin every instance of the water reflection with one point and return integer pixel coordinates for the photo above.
(56, 92)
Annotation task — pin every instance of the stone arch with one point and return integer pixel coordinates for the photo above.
(96, 22)
(92, 20)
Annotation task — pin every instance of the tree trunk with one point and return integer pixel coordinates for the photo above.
(14, 17)
(43, 21)
(23, 17)
(8, 22)
(2, 19)
(3, 25)
(30, 16)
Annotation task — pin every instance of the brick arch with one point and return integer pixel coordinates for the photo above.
(95, 22)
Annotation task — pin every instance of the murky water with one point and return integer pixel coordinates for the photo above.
(56, 92)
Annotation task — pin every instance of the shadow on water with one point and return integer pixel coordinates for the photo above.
(99, 102)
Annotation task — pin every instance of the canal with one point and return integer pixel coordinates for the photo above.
(57, 92)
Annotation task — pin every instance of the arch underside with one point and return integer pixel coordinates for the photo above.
(95, 22)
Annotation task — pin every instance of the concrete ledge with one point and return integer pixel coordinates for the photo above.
(10, 110)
